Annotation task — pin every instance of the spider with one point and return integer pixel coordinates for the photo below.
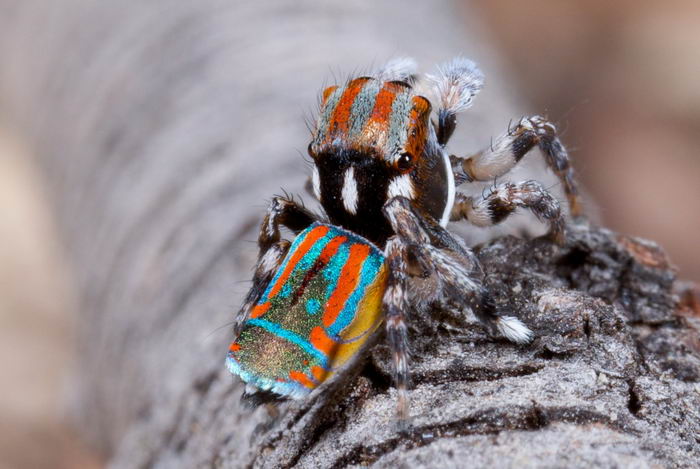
(381, 251)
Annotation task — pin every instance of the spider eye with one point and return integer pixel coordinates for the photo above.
(404, 162)
(310, 151)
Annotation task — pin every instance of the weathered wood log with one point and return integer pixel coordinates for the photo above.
(163, 127)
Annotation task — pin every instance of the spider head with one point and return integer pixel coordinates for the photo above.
(374, 141)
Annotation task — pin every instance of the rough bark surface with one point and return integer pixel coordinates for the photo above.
(164, 126)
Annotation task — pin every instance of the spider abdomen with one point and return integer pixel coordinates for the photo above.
(321, 306)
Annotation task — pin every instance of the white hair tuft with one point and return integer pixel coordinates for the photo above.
(514, 330)
(398, 69)
(456, 83)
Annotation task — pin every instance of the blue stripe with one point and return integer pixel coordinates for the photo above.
(313, 253)
(290, 336)
(284, 388)
(313, 306)
(306, 262)
(370, 268)
(332, 271)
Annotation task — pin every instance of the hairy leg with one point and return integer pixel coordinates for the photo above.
(273, 249)
(264, 271)
(452, 270)
(502, 200)
(285, 212)
(395, 304)
(508, 149)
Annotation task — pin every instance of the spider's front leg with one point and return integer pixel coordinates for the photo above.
(285, 212)
(508, 149)
(502, 200)
(451, 265)
(273, 248)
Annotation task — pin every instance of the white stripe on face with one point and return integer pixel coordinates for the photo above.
(401, 186)
(450, 190)
(316, 182)
(349, 194)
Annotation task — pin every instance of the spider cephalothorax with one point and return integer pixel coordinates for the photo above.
(374, 141)
(388, 188)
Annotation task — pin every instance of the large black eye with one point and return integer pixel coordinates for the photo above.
(405, 161)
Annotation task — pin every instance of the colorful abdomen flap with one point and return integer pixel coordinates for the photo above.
(321, 306)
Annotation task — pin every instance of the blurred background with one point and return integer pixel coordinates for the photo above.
(620, 79)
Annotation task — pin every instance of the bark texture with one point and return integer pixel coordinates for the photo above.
(163, 127)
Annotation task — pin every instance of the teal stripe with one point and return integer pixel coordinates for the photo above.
(308, 259)
(295, 244)
(284, 388)
(290, 336)
(305, 263)
(370, 269)
(332, 271)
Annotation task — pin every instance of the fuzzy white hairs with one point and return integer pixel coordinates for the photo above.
(398, 69)
(514, 330)
(455, 84)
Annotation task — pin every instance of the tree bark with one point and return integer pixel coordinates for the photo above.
(164, 127)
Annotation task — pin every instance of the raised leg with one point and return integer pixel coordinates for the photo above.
(508, 149)
(455, 84)
(285, 212)
(273, 249)
(502, 200)
(264, 270)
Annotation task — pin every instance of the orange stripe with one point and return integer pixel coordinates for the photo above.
(331, 248)
(234, 347)
(313, 236)
(349, 276)
(301, 378)
(260, 309)
(421, 105)
(417, 126)
(326, 93)
(318, 373)
(320, 340)
(382, 106)
(339, 122)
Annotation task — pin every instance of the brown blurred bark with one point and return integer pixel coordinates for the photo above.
(164, 126)
(620, 78)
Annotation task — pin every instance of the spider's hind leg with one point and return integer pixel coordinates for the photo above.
(459, 288)
(451, 265)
